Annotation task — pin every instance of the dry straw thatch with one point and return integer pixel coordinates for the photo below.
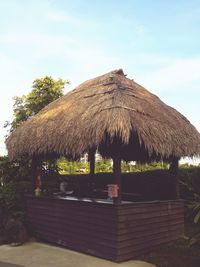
(113, 114)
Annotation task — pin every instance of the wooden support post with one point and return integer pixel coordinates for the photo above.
(36, 162)
(91, 158)
(92, 162)
(117, 177)
(174, 171)
(34, 171)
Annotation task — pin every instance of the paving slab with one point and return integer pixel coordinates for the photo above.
(6, 264)
(35, 254)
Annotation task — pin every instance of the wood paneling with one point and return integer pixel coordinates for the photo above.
(115, 232)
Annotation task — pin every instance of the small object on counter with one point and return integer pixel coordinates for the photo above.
(63, 187)
(113, 190)
(38, 192)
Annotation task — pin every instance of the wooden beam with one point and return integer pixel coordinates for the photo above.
(36, 162)
(92, 162)
(34, 171)
(117, 176)
(174, 172)
(91, 159)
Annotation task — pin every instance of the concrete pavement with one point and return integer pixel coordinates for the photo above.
(35, 254)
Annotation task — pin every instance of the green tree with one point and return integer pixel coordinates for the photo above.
(44, 91)
(16, 176)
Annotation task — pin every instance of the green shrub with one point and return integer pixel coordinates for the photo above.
(15, 179)
(189, 177)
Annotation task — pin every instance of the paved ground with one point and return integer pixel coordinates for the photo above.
(34, 254)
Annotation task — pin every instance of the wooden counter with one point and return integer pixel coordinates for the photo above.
(100, 228)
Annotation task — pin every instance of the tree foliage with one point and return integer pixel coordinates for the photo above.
(44, 91)
(16, 176)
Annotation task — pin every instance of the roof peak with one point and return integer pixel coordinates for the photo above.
(119, 72)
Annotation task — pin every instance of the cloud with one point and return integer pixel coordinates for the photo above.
(179, 75)
(14, 81)
(13, 74)
(83, 57)
(58, 16)
(44, 43)
(196, 122)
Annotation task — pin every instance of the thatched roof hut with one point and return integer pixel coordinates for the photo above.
(110, 113)
(122, 120)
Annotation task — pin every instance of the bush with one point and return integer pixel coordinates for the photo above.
(190, 191)
(14, 181)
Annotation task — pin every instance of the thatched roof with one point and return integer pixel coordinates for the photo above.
(113, 114)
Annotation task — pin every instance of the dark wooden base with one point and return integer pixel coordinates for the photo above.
(114, 232)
